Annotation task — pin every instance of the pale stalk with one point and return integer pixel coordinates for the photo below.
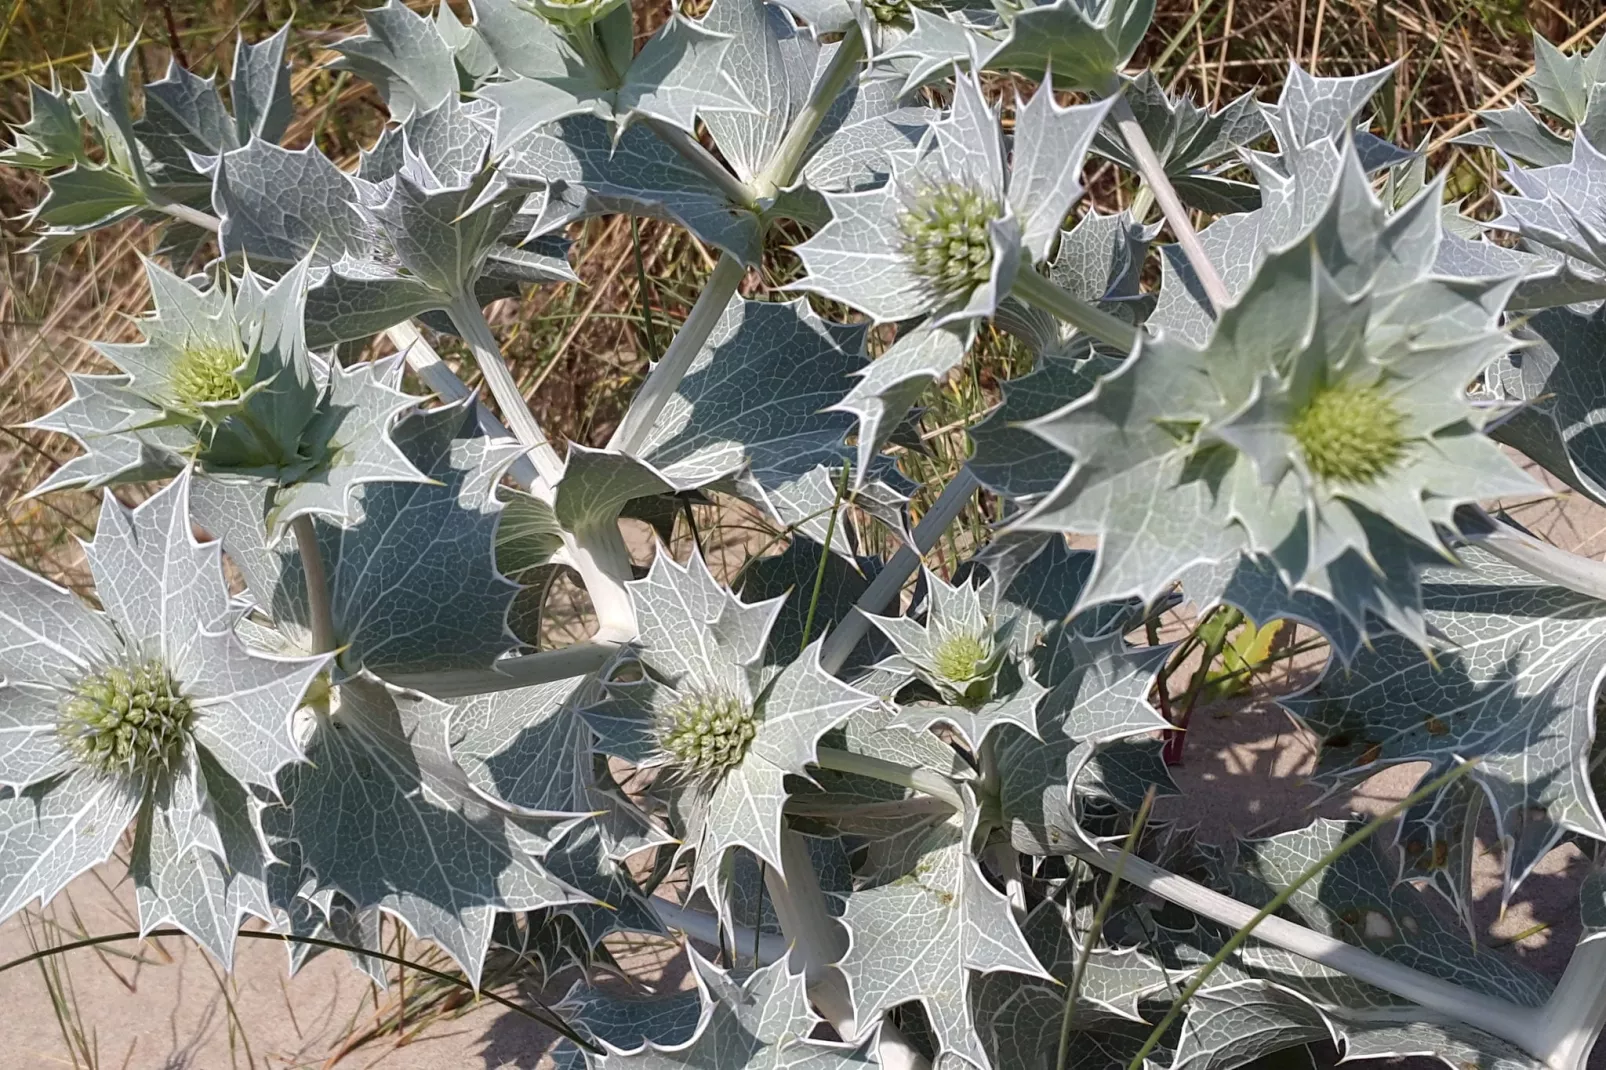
(318, 605)
(1557, 1032)
(185, 214)
(1165, 195)
(1505, 1020)
(665, 377)
(542, 667)
(818, 940)
(1570, 1021)
(1040, 293)
(707, 164)
(1584, 575)
(914, 778)
(438, 376)
(890, 580)
(597, 551)
(783, 168)
(469, 320)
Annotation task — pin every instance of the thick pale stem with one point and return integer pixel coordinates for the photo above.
(912, 777)
(600, 555)
(890, 580)
(1572, 1018)
(782, 171)
(185, 214)
(598, 552)
(542, 667)
(1561, 567)
(1165, 195)
(818, 940)
(664, 378)
(469, 320)
(1040, 293)
(318, 605)
(438, 376)
(1505, 1020)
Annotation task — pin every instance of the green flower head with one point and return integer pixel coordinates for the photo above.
(944, 235)
(129, 719)
(1320, 423)
(206, 373)
(705, 734)
(1350, 434)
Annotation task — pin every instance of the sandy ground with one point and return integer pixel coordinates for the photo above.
(165, 1006)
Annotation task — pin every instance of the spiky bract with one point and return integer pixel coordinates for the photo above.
(945, 237)
(1350, 434)
(128, 719)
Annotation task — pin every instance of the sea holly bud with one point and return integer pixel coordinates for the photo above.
(960, 222)
(959, 652)
(223, 379)
(1324, 425)
(570, 13)
(149, 709)
(725, 718)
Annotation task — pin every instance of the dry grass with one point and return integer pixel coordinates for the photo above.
(580, 349)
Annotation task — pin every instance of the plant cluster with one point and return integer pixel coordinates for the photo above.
(916, 826)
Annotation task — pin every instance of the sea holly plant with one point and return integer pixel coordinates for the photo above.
(905, 797)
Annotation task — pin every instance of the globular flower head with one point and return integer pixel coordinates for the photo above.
(945, 237)
(206, 374)
(959, 649)
(705, 735)
(149, 709)
(129, 719)
(1351, 435)
(726, 710)
(224, 380)
(962, 221)
(570, 13)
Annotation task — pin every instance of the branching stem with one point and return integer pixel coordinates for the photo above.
(436, 374)
(1165, 195)
(664, 378)
(782, 171)
(469, 320)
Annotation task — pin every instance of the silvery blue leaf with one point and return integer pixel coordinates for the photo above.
(380, 819)
(259, 89)
(383, 589)
(405, 58)
(927, 938)
(1515, 689)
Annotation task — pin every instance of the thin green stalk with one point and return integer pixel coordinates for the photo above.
(547, 1018)
(318, 603)
(1091, 937)
(1040, 293)
(825, 556)
(1281, 899)
(649, 333)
